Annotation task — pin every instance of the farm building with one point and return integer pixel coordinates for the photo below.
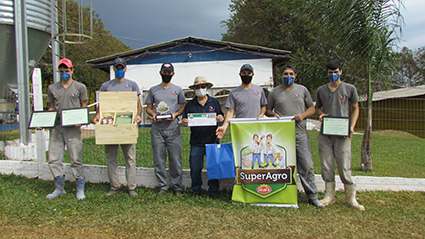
(399, 109)
(218, 61)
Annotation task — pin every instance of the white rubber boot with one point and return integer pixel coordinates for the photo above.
(329, 194)
(350, 197)
(59, 191)
(80, 188)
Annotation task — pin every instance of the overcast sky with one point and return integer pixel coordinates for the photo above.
(140, 23)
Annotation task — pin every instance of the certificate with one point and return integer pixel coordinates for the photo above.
(336, 126)
(202, 119)
(43, 119)
(70, 117)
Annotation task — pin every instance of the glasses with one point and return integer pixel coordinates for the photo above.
(200, 86)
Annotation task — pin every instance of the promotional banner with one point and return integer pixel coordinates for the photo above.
(265, 161)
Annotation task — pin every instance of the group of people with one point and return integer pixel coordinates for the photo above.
(166, 101)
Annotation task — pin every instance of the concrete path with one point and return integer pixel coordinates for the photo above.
(367, 183)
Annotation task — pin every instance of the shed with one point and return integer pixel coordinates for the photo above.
(400, 109)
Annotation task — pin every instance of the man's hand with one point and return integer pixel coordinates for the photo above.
(298, 118)
(173, 117)
(96, 119)
(219, 118)
(321, 116)
(220, 132)
(185, 122)
(138, 119)
(260, 116)
(38, 128)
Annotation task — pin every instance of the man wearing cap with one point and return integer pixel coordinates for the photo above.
(165, 102)
(120, 83)
(245, 101)
(66, 94)
(290, 99)
(199, 136)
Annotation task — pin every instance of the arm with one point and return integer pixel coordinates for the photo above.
(179, 112)
(270, 113)
(309, 112)
(149, 111)
(319, 111)
(222, 129)
(138, 118)
(262, 111)
(354, 117)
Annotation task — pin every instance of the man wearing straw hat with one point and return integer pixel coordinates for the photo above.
(199, 136)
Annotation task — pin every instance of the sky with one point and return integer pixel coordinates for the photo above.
(140, 23)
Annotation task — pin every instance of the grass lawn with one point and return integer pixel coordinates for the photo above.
(393, 155)
(24, 213)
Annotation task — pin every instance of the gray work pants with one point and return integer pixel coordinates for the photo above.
(305, 165)
(167, 140)
(338, 148)
(111, 153)
(71, 138)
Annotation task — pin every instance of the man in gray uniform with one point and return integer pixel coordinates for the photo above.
(120, 83)
(165, 102)
(66, 94)
(245, 101)
(335, 99)
(290, 99)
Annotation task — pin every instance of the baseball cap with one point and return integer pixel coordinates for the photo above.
(247, 67)
(167, 67)
(119, 61)
(67, 62)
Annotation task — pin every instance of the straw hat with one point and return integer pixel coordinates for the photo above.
(201, 80)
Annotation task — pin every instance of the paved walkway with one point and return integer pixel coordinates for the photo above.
(367, 183)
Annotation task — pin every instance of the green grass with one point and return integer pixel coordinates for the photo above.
(392, 155)
(24, 213)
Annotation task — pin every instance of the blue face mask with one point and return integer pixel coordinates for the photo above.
(288, 80)
(334, 77)
(65, 76)
(119, 73)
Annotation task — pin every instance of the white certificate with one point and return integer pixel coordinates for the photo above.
(43, 119)
(70, 117)
(337, 126)
(202, 119)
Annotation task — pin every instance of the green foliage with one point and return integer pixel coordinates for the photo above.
(357, 32)
(103, 44)
(25, 213)
(410, 67)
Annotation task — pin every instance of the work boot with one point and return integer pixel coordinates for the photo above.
(59, 191)
(316, 203)
(329, 194)
(80, 188)
(350, 197)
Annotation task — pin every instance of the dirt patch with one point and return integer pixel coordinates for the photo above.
(393, 133)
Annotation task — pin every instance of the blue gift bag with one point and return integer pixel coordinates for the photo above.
(220, 161)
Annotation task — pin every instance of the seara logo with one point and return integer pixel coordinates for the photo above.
(264, 189)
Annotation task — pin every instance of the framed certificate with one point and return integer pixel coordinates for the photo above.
(43, 119)
(202, 119)
(70, 117)
(336, 126)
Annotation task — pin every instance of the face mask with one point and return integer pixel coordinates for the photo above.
(288, 80)
(65, 76)
(334, 77)
(119, 73)
(166, 78)
(246, 79)
(201, 92)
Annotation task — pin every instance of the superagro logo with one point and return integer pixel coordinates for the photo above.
(341, 98)
(256, 93)
(173, 92)
(211, 109)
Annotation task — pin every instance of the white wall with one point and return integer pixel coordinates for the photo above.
(222, 74)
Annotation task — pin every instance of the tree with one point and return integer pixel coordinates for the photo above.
(410, 67)
(103, 44)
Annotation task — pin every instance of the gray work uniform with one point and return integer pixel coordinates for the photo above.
(128, 150)
(336, 104)
(289, 103)
(165, 135)
(70, 136)
(246, 102)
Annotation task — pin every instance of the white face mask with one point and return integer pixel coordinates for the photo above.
(201, 92)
